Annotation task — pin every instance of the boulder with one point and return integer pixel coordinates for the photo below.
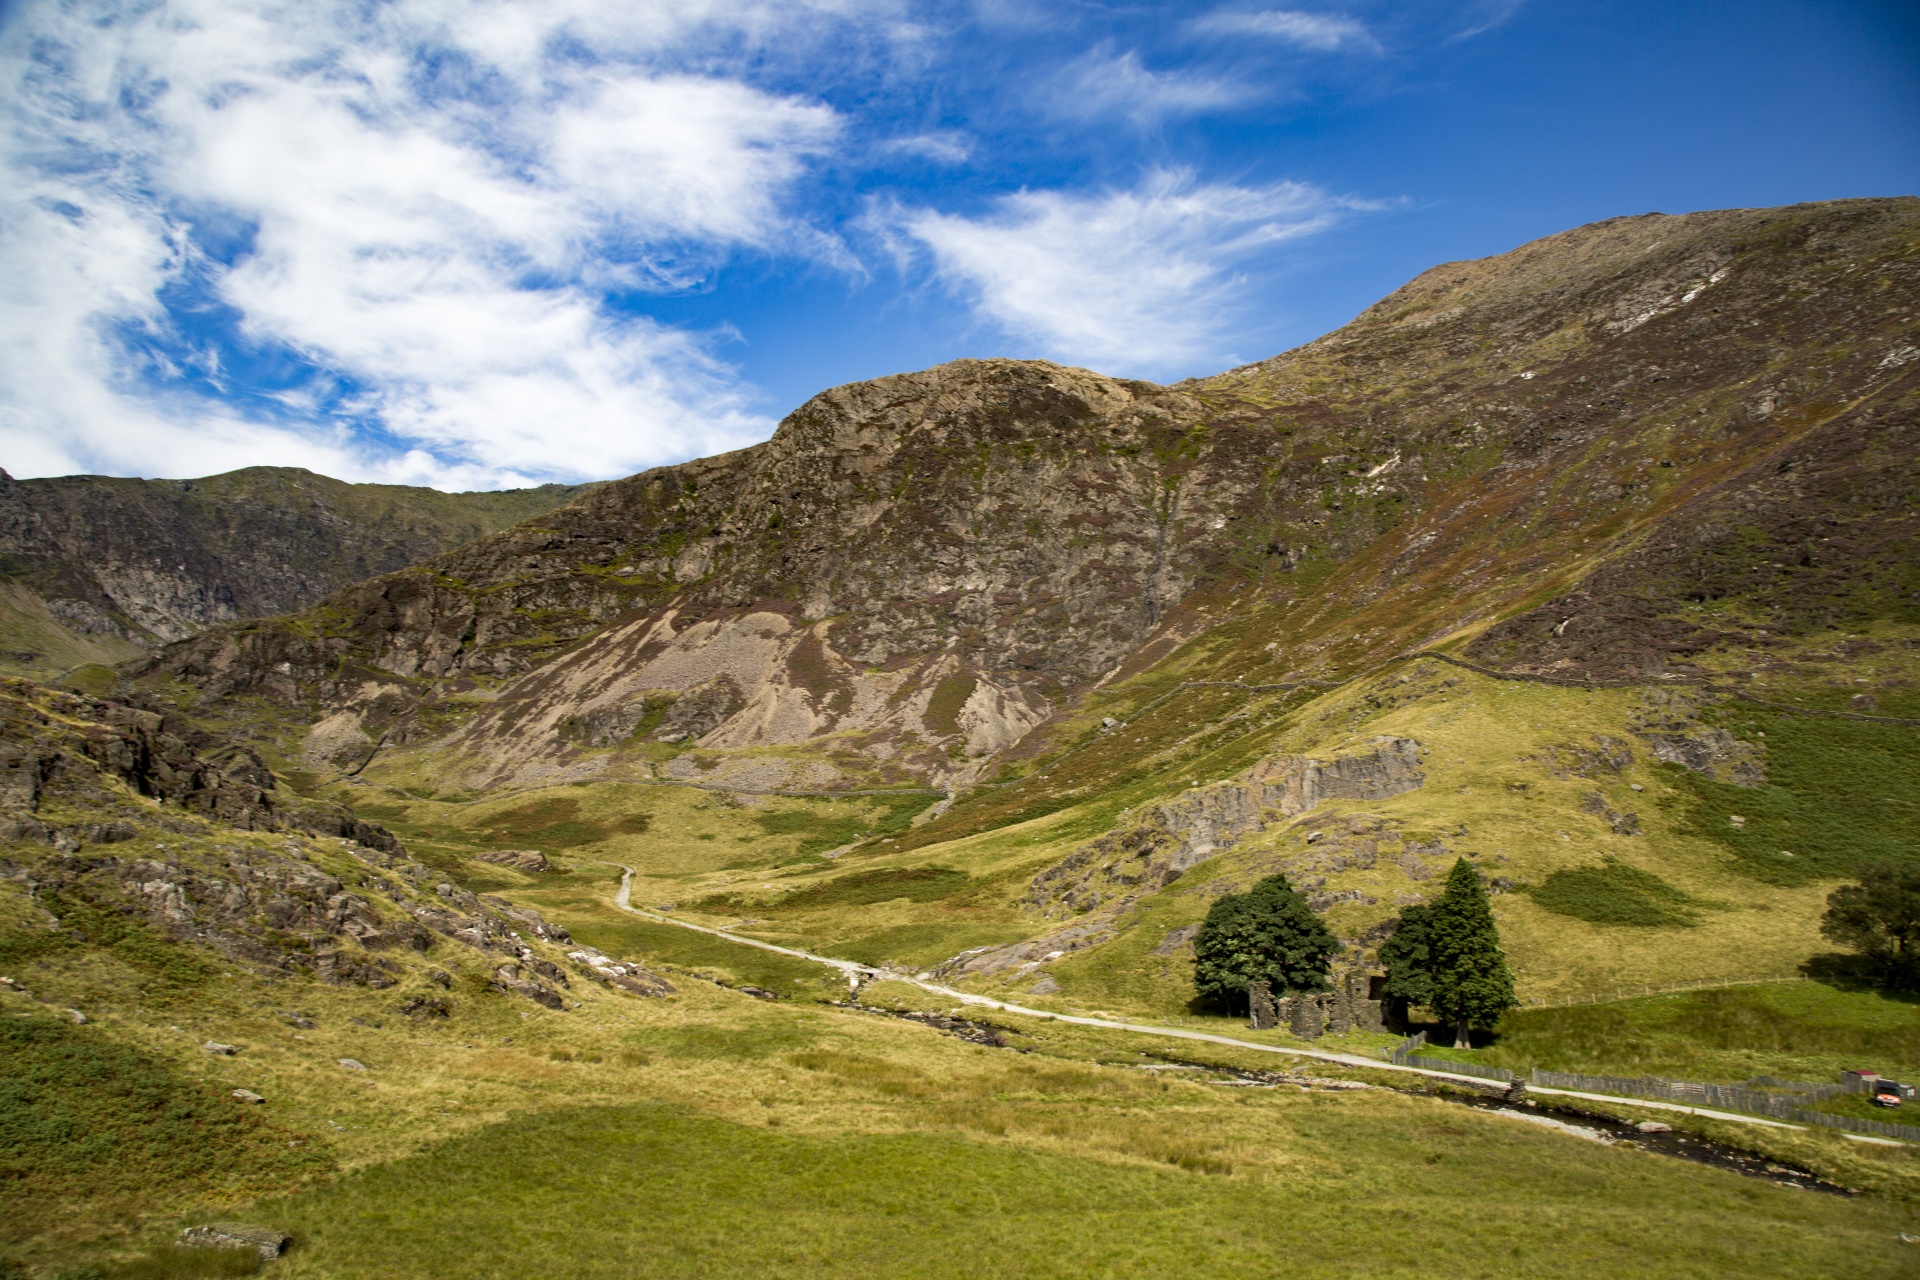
(530, 860)
(508, 979)
(265, 1241)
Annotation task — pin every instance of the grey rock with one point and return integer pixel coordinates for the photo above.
(1176, 939)
(223, 1050)
(508, 979)
(1623, 824)
(1161, 844)
(146, 560)
(426, 1007)
(265, 1241)
(353, 1064)
(247, 1095)
(531, 860)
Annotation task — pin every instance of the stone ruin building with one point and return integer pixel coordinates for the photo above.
(1350, 1006)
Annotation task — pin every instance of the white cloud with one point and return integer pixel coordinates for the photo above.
(1321, 32)
(444, 252)
(943, 146)
(1103, 83)
(1141, 281)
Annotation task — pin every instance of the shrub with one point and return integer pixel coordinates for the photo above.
(1614, 893)
(1880, 919)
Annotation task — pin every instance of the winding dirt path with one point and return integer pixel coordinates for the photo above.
(856, 972)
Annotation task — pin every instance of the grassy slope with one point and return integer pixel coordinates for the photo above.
(613, 1135)
(512, 1199)
(1503, 783)
(1790, 1031)
(37, 645)
(711, 1132)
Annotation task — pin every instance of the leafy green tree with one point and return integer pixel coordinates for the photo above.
(1407, 955)
(1470, 984)
(1267, 934)
(1880, 918)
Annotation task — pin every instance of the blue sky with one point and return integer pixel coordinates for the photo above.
(478, 243)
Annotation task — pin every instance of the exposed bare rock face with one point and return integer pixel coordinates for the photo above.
(1152, 851)
(226, 863)
(530, 860)
(149, 561)
(926, 558)
(1668, 720)
(1625, 420)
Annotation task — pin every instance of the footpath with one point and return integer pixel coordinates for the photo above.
(856, 973)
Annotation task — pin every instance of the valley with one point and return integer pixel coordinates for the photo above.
(1593, 565)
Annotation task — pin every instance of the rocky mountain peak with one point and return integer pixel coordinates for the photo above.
(917, 570)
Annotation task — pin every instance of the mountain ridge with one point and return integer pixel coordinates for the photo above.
(100, 567)
(1015, 533)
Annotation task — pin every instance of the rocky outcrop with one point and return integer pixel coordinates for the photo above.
(1669, 722)
(225, 863)
(1018, 958)
(625, 975)
(59, 750)
(529, 860)
(1153, 850)
(268, 1242)
(279, 911)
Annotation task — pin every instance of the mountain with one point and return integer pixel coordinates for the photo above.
(1584, 456)
(1546, 537)
(1591, 565)
(97, 568)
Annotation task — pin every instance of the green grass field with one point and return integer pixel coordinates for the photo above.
(648, 1190)
(1792, 1031)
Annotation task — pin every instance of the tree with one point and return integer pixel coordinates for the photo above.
(1407, 955)
(1880, 918)
(1267, 934)
(1470, 984)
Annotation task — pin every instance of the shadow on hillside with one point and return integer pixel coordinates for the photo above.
(1848, 972)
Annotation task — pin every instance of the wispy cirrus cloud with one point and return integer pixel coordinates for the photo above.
(1105, 83)
(1319, 32)
(1147, 280)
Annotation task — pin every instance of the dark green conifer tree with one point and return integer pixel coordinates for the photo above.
(1407, 956)
(1267, 934)
(1470, 984)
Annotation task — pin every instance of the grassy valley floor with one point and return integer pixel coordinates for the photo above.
(712, 1133)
